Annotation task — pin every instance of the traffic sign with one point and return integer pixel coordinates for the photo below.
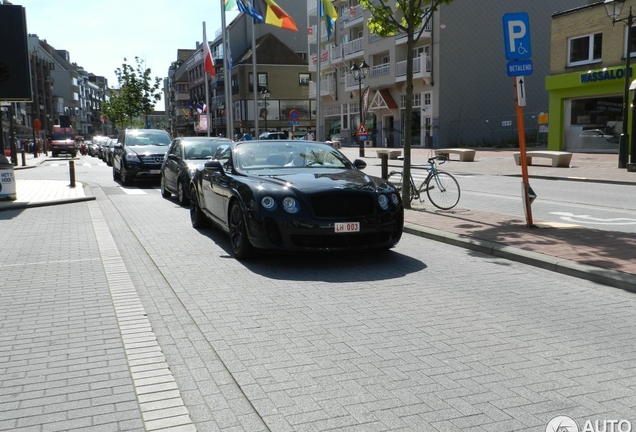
(294, 122)
(519, 67)
(362, 131)
(516, 28)
(521, 91)
(294, 115)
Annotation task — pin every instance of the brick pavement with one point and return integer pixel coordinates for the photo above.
(304, 356)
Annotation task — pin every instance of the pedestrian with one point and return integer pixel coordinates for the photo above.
(246, 136)
(310, 136)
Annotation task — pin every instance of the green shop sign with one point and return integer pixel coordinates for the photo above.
(604, 75)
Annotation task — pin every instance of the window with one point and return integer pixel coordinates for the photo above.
(262, 81)
(303, 79)
(632, 45)
(585, 49)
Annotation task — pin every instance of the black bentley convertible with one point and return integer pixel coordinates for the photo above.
(286, 195)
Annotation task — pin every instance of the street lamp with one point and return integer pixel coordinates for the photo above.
(359, 73)
(265, 94)
(614, 8)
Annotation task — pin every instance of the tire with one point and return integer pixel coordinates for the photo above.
(197, 217)
(164, 192)
(444, 193)
(116, 175)
(241, 246)
(395, 178)
(182, 193)
(126, 179)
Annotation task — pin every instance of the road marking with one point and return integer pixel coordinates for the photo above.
(133, 191)
(587, 219)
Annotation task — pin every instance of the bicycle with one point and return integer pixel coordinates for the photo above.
(441, 187)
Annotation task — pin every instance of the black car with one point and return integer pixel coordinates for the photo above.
(139, 153)
(294, 196)
(184, 156)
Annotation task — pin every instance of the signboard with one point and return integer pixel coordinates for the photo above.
(519, 67)
(543, 118)
(516, 27)
(294, 115)
(521, 92)
(362, 131)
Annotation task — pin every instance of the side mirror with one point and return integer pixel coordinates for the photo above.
(360, 164)
(214, 165)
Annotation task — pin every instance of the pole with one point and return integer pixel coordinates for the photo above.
(207, 90)
(255, 81)
(623, 141)
(318, 134)
(524, 161)
(360, 141)
(227, 91)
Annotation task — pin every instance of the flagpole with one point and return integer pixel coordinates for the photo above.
(229, 130)
(255, 80)
(207, 90)
(319, 135)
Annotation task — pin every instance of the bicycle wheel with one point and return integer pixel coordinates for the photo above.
(443, 190)
(395, 178)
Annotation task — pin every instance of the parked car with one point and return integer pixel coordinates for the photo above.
(103, 149)
(184, 156)
(139, 153)
(108, 153)
(597, 133)
(294, 196)
(272, 136)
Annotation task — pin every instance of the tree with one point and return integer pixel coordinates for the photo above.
(410, 17)
(136, 95)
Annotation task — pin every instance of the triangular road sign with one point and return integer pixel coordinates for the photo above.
(362, 130)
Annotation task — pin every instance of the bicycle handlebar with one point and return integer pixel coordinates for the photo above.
(438, 157)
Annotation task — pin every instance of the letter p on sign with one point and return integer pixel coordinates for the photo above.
(516, 29)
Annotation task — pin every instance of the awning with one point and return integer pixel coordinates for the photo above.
(382, 100)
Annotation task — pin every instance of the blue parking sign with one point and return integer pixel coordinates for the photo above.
(516, 28)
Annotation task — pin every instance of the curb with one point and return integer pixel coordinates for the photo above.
(559, 265)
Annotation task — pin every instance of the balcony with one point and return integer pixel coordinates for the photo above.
(381, 69)
(336, 54)
(400, 38)
(354, 49)
(327, 88)
(313, 61)
(354, 17)
(312, 33)
(422, 67)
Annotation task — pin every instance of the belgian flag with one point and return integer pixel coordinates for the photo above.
(274, 14)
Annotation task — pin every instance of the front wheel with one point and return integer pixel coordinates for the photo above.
(164, 192)
(443, 190)
(182, 193)
(126, 178)
(238, 234)
(197, 217)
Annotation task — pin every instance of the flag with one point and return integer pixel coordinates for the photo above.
(230, 5)
(328, 10)
(205, 107)
(246, 7)
(274, 14)
(208, 63)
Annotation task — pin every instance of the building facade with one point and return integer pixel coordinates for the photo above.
(462, 95)
(586, 83)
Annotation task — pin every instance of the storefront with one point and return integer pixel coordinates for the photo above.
(586, 110)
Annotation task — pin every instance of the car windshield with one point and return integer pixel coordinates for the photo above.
(62, 136)
(202, 149)
(263, 155)
(148, 138)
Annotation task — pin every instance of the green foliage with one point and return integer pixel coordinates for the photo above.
(135, 97)
(411, 18)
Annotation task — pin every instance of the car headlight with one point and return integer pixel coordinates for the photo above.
(131, 157)
(291, 205)
(383, 201)
(395, 199)
(268, 203)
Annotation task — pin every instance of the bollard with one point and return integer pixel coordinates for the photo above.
(23, 156)
(71, 170)
(384, 161)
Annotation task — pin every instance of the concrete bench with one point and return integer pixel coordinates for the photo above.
(393, 154)
(465, 155)
(559, 158)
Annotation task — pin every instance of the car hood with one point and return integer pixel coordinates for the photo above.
(148, 149)
(321, 179)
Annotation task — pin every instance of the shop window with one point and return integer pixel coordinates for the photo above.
(585, 49)
(303, 79)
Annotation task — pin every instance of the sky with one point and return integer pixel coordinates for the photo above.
(99, 34)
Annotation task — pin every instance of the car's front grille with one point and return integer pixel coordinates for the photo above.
(343, 205)
(152, 160)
